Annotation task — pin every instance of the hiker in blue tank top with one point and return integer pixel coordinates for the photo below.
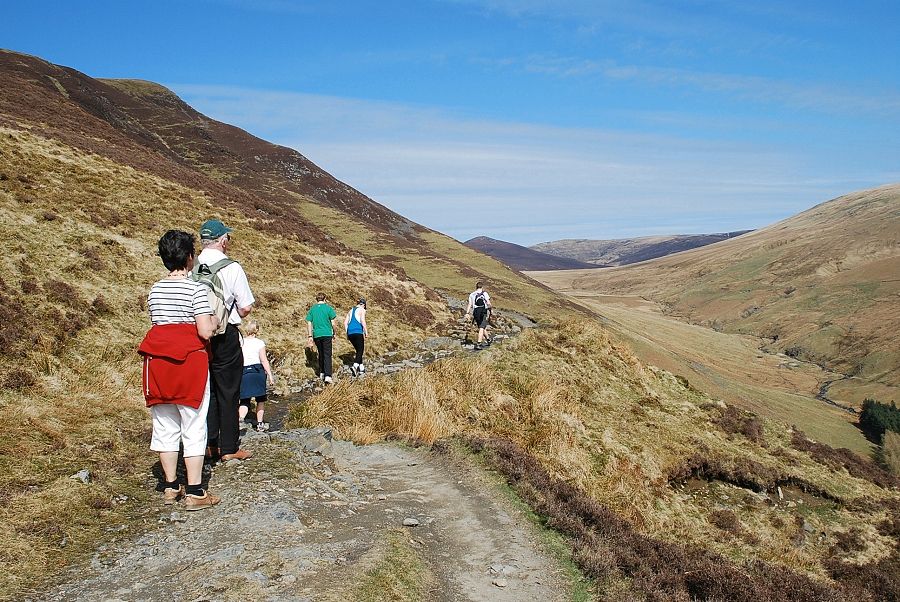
(357, 331)
(321, 333)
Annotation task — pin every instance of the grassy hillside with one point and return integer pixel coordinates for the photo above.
(682, 470)
(725, 366)
(821, 286)
(91, 174)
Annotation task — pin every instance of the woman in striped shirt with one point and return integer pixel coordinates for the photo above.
(176, 370)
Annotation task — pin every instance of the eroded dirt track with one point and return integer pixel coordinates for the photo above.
(305, 519)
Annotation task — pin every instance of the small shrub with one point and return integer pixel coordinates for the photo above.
(416, 315)
(101, 503)
(19, 378)
(850, 541)
(93, 259)
(726, 520)
(890, 451)
(62, 292)
(50, 216)
(735, 421)
(101, 306)
(30, 287)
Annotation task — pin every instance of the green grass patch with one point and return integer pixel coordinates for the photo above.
(401, 575)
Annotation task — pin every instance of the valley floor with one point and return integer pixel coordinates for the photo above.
(313, 519)
(726, 366)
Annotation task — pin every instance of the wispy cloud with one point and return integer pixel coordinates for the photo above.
(525, 182)
(793, 94)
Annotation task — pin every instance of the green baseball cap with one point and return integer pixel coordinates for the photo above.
(213, 229)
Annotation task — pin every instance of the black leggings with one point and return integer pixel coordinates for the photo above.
(359, 343)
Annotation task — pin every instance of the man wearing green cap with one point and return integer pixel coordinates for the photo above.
(227, 363)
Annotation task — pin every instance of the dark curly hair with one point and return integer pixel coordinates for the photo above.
(176, 247)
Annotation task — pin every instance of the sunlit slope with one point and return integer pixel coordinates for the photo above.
(822, 286)
(146, 126)
(723, 365)
(282, 175)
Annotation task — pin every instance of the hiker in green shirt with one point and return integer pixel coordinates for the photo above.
(321, 332)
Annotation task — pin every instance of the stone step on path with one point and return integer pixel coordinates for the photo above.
(296, 519)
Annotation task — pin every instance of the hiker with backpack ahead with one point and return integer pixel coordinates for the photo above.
(480, 309)
(231, 297)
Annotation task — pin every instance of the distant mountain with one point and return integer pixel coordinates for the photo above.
(523, 258)
(629, 250)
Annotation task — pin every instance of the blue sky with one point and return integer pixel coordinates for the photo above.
(528, 120)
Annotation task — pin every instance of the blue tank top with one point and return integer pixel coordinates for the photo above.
(354, 326)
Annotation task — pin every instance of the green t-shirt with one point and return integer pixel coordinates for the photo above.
(321, 315)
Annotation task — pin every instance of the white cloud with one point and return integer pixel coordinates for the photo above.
(525, 182)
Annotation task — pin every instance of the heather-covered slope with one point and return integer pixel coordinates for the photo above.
(666, 493)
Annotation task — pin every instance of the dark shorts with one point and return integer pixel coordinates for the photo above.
(481, 316)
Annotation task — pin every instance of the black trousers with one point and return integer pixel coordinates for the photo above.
(359, 343)
(323, 346)
(225, 370)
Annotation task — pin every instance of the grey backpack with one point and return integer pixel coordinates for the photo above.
(208, 275)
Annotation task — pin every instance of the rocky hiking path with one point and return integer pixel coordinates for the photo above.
(459, 339)
(308, 518)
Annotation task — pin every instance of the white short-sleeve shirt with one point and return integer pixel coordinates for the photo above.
(251, 347)
(473, 294)
(235, 288)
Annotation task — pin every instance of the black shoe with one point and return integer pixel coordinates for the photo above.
(478, 347)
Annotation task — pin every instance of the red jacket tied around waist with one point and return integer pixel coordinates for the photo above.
(176, 365)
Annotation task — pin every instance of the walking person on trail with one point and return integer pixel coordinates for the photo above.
(357, 331)
(321, 332)
(480, 309)
(175, 374)
(257, 372)
(226, 367)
